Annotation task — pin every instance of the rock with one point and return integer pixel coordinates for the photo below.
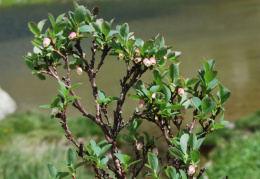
(7, 104)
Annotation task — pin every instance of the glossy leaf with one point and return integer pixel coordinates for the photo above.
(191, 81)
(223, 94)
(195, 156)
(192, 141)
(207, 105)
(41, 24)
(71, 156)
(167, 93)
(80, 14)
(153, 161)
(197, 103)
(34, 28)
(183, 174)
(174, 72)
(161, 53)
(171, 172)
(177, 153)
(59, 27)
(105, 28)
(124, 30)
(184, 142)
(210, 75)
(86, 28)
(52, 170)
(104, 150)
(199, 143)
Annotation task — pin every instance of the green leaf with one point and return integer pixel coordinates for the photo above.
(59, 27)
(167, 93)
(124, 30)
(134, 97)
(183, 174)
(197, 103)
(52, 170)
(81, 164)
(174, 72)
(41, 77)
(34, 28)
(41, 24)
(177, 153)
(211, 64)
(51, 19)
(86, 28)
(209, 76)
(191, 81)
(101, 95)
(150, 175)
(60, 17)
(175, 107)
(154, 88)
(29, 63)
(134, 162)
(153, 161)
(223, 94)
(206, 65)
(80, 14)
(175, 142)
(71, 156)
(195, 156)
(184, 142)
(104, 150)
(218, 126)
(123, 158)
(192, 141)
(105, 28)
(62, 174)
(171, 172)
(161, 53)
(46, 106)
(199, 143)
(157, 76)
(72, 98)
(161, 42)
(207, 105)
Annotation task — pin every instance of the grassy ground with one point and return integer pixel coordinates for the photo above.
(29, 141)
(7, 3)
(236, 151)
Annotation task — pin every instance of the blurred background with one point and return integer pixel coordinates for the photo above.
(226, 31)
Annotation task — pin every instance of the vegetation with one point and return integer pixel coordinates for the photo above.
(163, 101)
(236, 152)
(7, 3)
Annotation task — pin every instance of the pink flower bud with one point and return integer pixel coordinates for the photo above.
(79, 70)
(155, 151)
(153, 61)
(137, 59)
(72, 35)
(181, 91)
(46, 42)
(137, 52)
(165, 57)
(55, 111)
(154, 95)
(139, 146)
(141, 103)
(191, 170)
(147, 62)
(121, 56)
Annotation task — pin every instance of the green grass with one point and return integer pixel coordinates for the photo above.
(6, 3)
(30, 140)
(236, 151)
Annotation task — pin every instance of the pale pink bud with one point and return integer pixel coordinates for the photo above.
(181, 91)
(183, 110)
(155, 151)
(121, 56)
(191, 170)
(153, 61)
(137, 52)
(147, 62)
(154, 95)
(141, 103)
(137, 59)
(165, 57)
(139, 146)
(55, 111)
(79, 70)
(72, 35)
(46, 42)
